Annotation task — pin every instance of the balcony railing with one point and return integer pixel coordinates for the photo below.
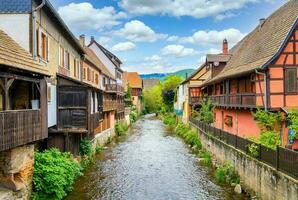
(19, 127)
(114, 88)
(109, 105)
(235, 100)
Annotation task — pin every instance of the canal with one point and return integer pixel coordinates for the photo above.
(150, 163)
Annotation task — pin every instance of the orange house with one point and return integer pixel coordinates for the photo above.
(262, 72)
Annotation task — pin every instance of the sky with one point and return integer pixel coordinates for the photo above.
(160, 36)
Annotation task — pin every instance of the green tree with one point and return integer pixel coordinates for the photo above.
(153, 99)
(169, 88)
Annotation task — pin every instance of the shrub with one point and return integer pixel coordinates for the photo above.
(133, 116)
(189, 136)
(270, 139)
(227, 174)
(269, 121)
(98, 148)
(205, 113)
(121, 128)
(293, 118)
(85, 148)
(170, 120)
(54, 174)
(253, 150)
(206, 157)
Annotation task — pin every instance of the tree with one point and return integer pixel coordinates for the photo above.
(153, 99)
(169, 87)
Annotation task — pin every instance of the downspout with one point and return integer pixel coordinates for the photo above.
(265, 88)
(34, 27)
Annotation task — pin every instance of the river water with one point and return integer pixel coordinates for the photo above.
(150, 163)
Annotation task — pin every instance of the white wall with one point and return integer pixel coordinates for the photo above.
(104, 59)
(52, 107)
(17, 27)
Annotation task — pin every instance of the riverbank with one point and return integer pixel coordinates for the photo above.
(148, 163)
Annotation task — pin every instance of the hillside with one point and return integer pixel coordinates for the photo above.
(161, 76)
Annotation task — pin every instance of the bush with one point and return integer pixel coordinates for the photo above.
(293, 118)
(121, 128)
(227, 174)
(189, 136)
(205, 113)
(269, 121)
(206, 157)
(98, 148)
(133, 116)
(54, 174)
(85, 148)
(170, 120)
(253, 150)
(270, 139)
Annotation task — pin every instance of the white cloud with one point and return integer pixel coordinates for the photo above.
(154, 58)
(105, 41)
(213, 37)
(173, 38)
(137, 31)
(178, 51)
(83, 16)
(194, 8)
(124, 46)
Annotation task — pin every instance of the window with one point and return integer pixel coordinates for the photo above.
(66, 59)
(92, 76)
(96, 79)
(61, 56)
(75, 68)
(291, 80)
(88, 74)
(84, 74)
(42, 45)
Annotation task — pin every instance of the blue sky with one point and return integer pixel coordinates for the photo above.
(164, 35)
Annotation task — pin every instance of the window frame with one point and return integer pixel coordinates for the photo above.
(286, 86)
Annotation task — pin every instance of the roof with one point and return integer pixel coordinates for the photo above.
(13, 55)
(150, 82)
(91, 57)
(15, 6)
(193, 74)
(58, 19)
(132, 79)
(258, 48)
(218, 57)
(110, 55)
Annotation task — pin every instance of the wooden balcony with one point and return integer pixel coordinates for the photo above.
(109, 105)
(114, 88)
(20, 127)
(95, 118)
(246, 100)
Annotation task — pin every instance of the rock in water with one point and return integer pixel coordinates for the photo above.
(238, 189)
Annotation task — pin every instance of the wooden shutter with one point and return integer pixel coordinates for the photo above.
(48, 48)
(291, 80)
(39, 42)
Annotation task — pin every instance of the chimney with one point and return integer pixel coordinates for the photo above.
(225, 47)
(261, 22)
(92, 38)
(82, 40)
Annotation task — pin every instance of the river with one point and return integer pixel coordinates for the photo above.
(150, 163)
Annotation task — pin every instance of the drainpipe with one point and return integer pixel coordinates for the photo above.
(265, 88)
(34, 27)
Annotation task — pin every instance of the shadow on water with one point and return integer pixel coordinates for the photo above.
(148, 163)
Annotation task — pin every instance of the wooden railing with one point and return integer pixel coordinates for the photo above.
(114, 88)
(235, 100)
(281, 159)
(19, 127)
(109, 105)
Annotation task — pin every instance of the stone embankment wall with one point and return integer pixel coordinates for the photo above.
(256, 177)
(103, 137)
(16, 170)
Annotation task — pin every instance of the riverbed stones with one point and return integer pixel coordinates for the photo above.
(238, 189)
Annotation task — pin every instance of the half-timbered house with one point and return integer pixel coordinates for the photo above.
(262, 72)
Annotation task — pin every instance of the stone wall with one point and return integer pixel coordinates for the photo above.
(16, 170)
(103, 137)
(256, 177)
